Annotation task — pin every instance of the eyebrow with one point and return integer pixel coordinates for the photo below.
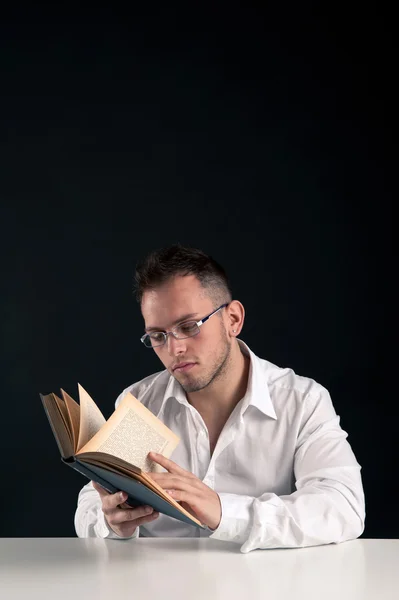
(180, 320)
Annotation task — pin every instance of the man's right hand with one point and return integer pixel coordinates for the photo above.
(123, 520)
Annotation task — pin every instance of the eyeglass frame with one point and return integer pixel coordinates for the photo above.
(166, 333)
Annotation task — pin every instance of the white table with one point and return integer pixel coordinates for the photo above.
(190, 569)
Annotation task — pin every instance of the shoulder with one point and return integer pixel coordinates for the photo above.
(285, 378)
(288, 389)
(301, 402)
(147, 389)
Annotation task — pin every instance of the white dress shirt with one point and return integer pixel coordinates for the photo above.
(282, 466)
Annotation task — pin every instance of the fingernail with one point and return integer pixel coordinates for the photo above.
(122, 496)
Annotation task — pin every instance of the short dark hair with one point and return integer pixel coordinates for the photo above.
(177, 260)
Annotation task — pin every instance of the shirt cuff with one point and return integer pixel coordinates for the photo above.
(235, 523)
(103, 530)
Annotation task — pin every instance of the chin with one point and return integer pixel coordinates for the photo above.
(193, 386)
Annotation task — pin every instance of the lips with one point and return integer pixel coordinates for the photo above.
(183, 365)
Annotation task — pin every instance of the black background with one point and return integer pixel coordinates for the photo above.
(261, 136)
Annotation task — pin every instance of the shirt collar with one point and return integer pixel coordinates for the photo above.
(173, 390)
(257, 393)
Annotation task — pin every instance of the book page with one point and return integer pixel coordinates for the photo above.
(91, 418)
(73, 409)
(58, 424)
(64, 414)
(131, 433)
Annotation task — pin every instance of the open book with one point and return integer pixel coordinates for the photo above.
(114, 453)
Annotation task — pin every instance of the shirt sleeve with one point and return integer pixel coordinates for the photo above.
(328, 505)
(89, 517)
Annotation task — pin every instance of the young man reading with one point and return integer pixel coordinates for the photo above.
(262, 460)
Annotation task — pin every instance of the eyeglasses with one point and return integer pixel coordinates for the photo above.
(180, 332)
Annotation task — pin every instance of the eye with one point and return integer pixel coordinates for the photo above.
(156, 336)
(189, 327)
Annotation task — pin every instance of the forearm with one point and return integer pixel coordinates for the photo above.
(89, 517)
(322, 511)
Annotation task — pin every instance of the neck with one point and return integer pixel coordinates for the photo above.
(223, 394)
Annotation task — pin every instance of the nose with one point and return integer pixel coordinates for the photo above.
(175, 346)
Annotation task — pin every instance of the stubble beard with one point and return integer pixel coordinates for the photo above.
(218, 371)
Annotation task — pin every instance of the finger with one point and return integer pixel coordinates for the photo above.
(147, 519)
(180, 495)
(169, 481)
(97, 487)
(169, 465)
(112, 501)
(187, 500)
(102, 491)
(122, 515)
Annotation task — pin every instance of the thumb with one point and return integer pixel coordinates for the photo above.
(99, 489)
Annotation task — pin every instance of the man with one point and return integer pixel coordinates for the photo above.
(262, 459)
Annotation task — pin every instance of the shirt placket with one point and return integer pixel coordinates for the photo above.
(226, 437)
(201, 443)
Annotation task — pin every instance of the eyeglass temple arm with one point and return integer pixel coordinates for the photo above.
(204, 320)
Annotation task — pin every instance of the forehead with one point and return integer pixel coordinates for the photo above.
(174, 299)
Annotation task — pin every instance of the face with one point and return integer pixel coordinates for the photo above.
(198, 361)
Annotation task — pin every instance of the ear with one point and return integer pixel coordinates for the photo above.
(235, 318)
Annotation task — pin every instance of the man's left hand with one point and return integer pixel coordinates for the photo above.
(184, 487)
